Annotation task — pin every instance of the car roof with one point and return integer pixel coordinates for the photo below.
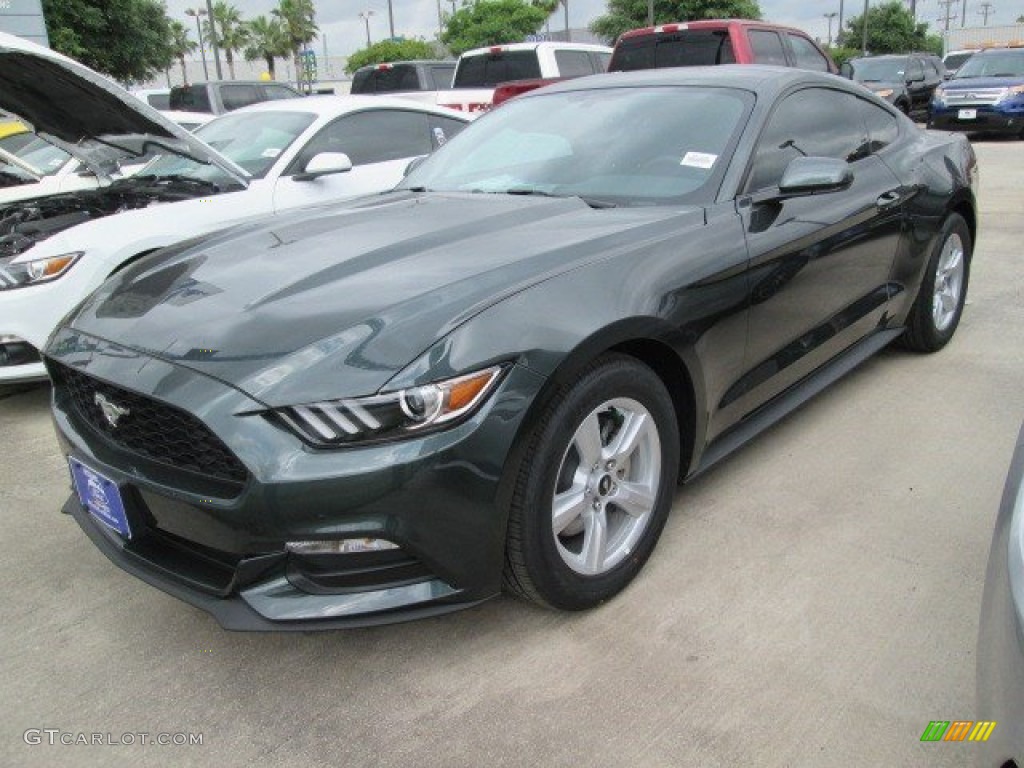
(707, 24)
(330, 105)
(537, 47)
(757, 78)
(407, 62)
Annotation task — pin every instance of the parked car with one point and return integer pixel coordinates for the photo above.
(953, 60)
(480, 70)
(718, 41)
(497, 373)
(420, 80)
(1000, 653)
(907, 81)
(985, 96)
(269, 158)
(220, 96)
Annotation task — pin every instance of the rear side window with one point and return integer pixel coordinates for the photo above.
(883, 127)
(914, 70)
(486, 70)
(767, 47)
(601, 60)
(573, 63)
(442, 76)
(806, 54)
(238, 96)
(159, 100)
(275, 92)
(688, 48)
(190, 98)
(375, 136)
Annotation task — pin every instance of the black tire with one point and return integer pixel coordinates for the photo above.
(535, 564)
(923, 333)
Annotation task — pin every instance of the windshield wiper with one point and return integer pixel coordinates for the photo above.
(591, 201)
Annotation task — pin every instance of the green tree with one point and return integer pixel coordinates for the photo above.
(891, 29)
(181, 46)
(229, 31)
(298, 17)
(491, 22)
(267, 41)
(624, 15)
(129, 40)
(390, 50)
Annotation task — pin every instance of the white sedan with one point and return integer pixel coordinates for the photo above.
(251, 163)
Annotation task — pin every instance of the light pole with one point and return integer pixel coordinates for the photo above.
(365, 16)
(864, 35)
(197, 13)
(391, 20)
(213, 39)
(839, 31)
(440, 21)
(568, 35)
(650, 13)
(830, 16)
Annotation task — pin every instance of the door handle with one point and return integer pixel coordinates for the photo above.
(889, 199)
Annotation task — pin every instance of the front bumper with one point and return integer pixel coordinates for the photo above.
(1000, 652)
(988, 119)
(220, 546)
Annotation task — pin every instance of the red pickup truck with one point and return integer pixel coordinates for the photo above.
(718, 41)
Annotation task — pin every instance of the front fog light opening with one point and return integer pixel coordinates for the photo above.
(14, 350)
(339, 546)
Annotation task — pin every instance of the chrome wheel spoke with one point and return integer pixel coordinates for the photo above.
(588, 441)
(635, 499)
(948, 288)
(570, 504)
(625, 441)
(595, 540)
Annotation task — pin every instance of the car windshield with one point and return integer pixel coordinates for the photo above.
(1001, 64)
(38, 153)
(878, 70)
(620, 146)
(253, 140)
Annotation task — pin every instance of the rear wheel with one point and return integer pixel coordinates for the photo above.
(594, 488)
(940, 301)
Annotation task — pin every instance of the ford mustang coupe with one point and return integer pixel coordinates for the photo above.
(496, 374)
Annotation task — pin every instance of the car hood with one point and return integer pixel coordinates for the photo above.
(334, 302)
(970, 83)
(87, 115)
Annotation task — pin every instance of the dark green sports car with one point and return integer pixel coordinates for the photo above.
(495, 375)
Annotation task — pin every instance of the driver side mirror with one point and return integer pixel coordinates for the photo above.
(324, 164)
(806, 176)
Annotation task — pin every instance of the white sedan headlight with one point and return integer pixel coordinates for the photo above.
(26, 273)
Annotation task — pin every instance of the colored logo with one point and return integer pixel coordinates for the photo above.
(958, 730)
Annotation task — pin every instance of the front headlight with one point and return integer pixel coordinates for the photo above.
(1009, 93)
(939, 96)
(26, 273)
(337, 423)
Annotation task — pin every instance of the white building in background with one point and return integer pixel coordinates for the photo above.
(24, 18)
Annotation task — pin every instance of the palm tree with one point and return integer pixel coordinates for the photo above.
(181, 45)
(299, 20)
(267, 40)
(229, 31)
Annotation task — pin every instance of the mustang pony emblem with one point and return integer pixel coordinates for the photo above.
(112, 412)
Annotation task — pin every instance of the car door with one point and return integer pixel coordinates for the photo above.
(379, 142)
(820, 264)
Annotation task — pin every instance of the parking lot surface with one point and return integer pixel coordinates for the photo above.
(813, 601)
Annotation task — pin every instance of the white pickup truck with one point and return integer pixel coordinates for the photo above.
(480, 70)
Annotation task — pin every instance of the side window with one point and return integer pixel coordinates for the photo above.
(275, 92)
(767, 47)
(237, 96)
(883, 127)
(806, 54)
(601, 61)
(573, 63)
(814, 122)
(442, 129)
(914, 70)
(375, 136)
(442, 77)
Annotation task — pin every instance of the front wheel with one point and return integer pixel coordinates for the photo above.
(594, 488)
(940, 301)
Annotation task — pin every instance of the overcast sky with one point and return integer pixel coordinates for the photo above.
(339, 19)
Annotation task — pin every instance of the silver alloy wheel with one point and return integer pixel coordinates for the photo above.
(607, 486)
(949, 282)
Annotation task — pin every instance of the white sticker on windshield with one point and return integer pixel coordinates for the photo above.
(271, 152)
(439, 137)
(698, 160)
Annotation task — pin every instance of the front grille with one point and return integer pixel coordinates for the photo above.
(974, 97)
(148, 427)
